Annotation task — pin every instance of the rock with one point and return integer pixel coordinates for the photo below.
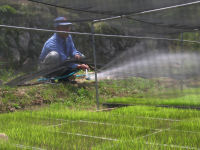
(15, 54)
(12, 41)
(110, 49)
(24, 39)
(3, 136)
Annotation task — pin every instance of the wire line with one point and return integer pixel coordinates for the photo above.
(100, 35)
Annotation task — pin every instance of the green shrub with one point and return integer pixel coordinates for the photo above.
(7, 9)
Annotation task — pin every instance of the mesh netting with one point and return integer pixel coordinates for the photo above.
(113, 7)
(183, 17)
(170, 17)
(139, 19)
(148, 58)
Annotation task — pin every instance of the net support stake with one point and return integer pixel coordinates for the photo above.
(95, 65)
(181, 81)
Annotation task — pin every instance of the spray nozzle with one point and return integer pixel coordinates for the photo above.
(87, 76)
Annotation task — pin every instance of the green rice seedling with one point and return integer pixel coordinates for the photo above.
(136, 145)
(186, 100)
(44, 138)
(137, 127)
(157, 112)
(188, 125)
(123, 115)
(110, 131)
(183, 139)
(8, 146)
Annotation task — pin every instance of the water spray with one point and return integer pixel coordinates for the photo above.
(174, 65)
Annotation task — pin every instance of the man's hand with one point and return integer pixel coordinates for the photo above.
(83, 66)
(77, 57)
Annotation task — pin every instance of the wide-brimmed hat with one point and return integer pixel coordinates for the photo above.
(61, 21)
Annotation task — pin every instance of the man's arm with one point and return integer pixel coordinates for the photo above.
(75, 53)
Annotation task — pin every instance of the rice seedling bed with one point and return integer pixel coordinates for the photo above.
(187, 139)
(102, 130)
(188, 99)
(137, 127)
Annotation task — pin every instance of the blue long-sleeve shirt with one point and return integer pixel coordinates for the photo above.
(64, 46)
